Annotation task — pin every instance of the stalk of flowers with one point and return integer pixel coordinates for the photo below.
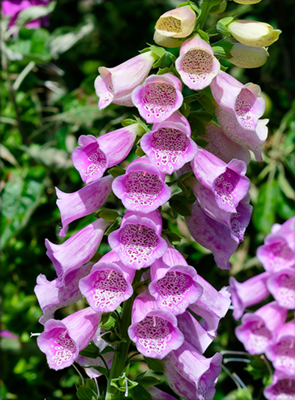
(144, 285)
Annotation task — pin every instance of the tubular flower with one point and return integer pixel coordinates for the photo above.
(177, 23)
(282, 286)
(158, 394)
(282, 387)
(95, 155)
(62, 340)
(239, 110)
(51, 297)
(248, 293)
(260, 328)
(115, 85)
(196, 63)
(153, 331)
(77, 250)
(254, 33)
(14, 7)
(158, 98)
(142, 188)
(83, 202)
(248, 56)
(169, 146)
(178, 118)
(138, 242)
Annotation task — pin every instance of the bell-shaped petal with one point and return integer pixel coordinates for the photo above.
(62, 340)
(258, 329)
(282, 286)
(154, 216)
(227, 181)
(83, 202)
(222, 146)
(142, 188)
(282, 387)
(196, 63)
(51, 297)
(174, 286)
(137, 242)
(211, 306)
(191, 375)
(114, 84)
(282, 351)
(178, 118)
(177, 23)
(169, 147)
(95, 155)
(248, 293)
(158, 394)
(77, 250)
(158, 98)
(107, 286)
(248, 56)
(153, 331)
(253, 33)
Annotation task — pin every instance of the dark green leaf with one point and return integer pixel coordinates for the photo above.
(147, 381)
(140, 393)
(266, 206)
(116, 171)
(207, 103)
(114, 226)
(102, 370)
(222, 26)
(139, 152)
(90, 351)
(108, 349)
(154, 364)
(83, 393)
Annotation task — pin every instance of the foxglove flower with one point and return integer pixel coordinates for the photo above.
(282, 351)
(240, 107)
(51, 297)
(95, 155)
(227, 181)
(222, 146)
(278, 251)
(282, 387)
(107, 286)
(253, 33)
(169, 146)
(177, 23)
(260, 328)
(77, 250)
(114, 85)
(178, 118)
(248, 56)
(62, 340)
(138, 242)
(14, 7)
(153, 331)
(158, 98)
(158, 394)
(173, 285)
(83, 202)
(190, 374)
(196, 63)
(248, 293)
(142, 188)
(282, 286)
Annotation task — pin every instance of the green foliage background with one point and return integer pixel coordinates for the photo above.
(41, 118)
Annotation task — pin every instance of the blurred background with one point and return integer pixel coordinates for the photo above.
(47, 102)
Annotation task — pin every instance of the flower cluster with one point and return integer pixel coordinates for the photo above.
(266, 330)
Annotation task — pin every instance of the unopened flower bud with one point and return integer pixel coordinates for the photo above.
(169, 42)
(248, 56)
(177, 23)
(247, 1)
(254, 33)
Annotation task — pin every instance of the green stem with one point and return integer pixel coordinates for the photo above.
(206, 5)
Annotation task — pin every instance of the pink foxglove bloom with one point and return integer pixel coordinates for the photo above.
(14, 7)
(115, 85)
(158, 394)
(282, 351)
(278, 251)
(211, 306)
(227, 181)
(142, 188)
(138, 242)
(83, 202)
(281, 388)
(62, 340)
(51, 297)
(282, 286)
(107, 286)
(95, 155)
(196, 63)
(178, 118)
(176, 23)
(260, 328)
(222, 146)
(240, 107)
(169, 146)
(153, 331)
(248, 293)
(191, 375)
(158, 98)
(174, 284)
(77, 250)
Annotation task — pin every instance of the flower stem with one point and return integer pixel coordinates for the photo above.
(206, 5)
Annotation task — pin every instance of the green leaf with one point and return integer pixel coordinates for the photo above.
(107, 322)
(266, 206)
(140, 393)
(285, 207)
(222, 26)
(257, 367)
(201, 142)
(204, 35)
(139, 152)
(197, 125)
(34, 12)
(147, 381)
(128, 121)
(203, 115)
(108, 215)
(122, 383)
(218, 7)
(285, 186)
(207, 103)
(177, 204)
(108, 349)
(84, 393)
(116, 171)
(154, 364)
(222, 49)
(239, 394)
(114, 226)
(91, 351)
(102, 370)
(173, 238)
